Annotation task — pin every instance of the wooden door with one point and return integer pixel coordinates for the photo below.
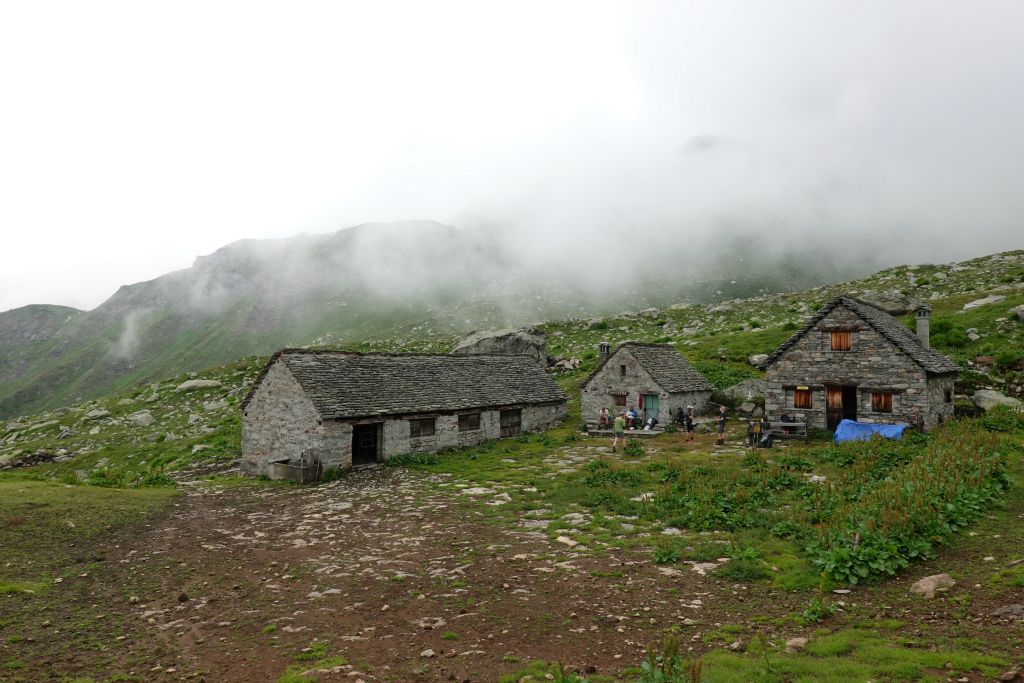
(833, 407)
(651, 406)
(511, 422)
(365, 444)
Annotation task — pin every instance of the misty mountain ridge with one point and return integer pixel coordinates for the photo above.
(410, 280)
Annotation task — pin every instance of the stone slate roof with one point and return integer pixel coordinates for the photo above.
(889, 327)
(348, 385)
(665, 364)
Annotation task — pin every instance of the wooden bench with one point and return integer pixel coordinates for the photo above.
(789, 430)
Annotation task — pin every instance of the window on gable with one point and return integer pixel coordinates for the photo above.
(841, 340)
(422, 427)
(620, 399)
(469, 422)
(803, 398)
(881, 401)
(622, 371)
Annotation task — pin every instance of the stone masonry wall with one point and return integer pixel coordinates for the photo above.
(280, 421)
(872, 363)
(597, 393)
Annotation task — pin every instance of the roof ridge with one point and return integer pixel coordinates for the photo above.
(392, 354)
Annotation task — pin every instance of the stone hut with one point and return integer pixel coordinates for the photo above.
(655, 378)
(313, 411)
(854, 361)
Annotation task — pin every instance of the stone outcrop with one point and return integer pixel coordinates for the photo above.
(891, 301)
(505, 342)
(987, 399)
(747, 390)
(143, 418)
(758, 360)
(193, 384)
(994, 299)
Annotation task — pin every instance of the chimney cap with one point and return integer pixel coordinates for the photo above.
(923, 308)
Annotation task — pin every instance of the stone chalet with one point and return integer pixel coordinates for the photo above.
(856, 362)
(655, 378)
(318, 410)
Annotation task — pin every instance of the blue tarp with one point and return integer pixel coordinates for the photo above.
(850, 430)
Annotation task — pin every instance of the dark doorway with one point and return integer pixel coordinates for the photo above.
(840, 404)
(511, 423)
(366, 444)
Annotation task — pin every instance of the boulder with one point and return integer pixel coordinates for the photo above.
(1019, 312)
(15, 426)
(758, 360)
(747, 407)
(96, 414)
(1014, 611)
(893, 301)
(143, 418)
(987, 399)
(748, 389)
(192, 384)
(565, 364)
(930, 584)
(505, 342)
(994, 299)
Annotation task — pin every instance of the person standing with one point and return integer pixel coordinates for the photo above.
(721, 426)
(688, 422)
(619, 431)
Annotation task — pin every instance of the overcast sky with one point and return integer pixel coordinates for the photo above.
(135, 136)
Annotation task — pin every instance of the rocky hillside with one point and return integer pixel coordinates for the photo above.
(189, 423)
(409, 283)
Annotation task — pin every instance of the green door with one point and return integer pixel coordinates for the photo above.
(651, 407)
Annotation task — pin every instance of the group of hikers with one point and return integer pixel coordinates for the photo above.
(630, 420)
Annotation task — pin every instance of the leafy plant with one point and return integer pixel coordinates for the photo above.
(817, 610)
(633, 447)
(666, 665)
(666, 555)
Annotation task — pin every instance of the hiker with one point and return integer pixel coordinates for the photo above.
(688, 422)
(720, 441)
(619, 431)
(632, 417)
(603, 419)
(753, 433)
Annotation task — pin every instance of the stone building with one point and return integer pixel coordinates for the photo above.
(654, 378)
(856, 362)
(319, 410)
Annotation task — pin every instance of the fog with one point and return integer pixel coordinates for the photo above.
(595, 140)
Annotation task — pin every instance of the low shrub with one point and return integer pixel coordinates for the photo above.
(412, 459)
(666, 555)
(742, 570)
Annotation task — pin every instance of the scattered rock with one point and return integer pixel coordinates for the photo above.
(567, 541)
(192, 384)
(427, 653)
(96, 414)
(1014, 611)
(747, 407)
(929, 585)
(758, 360)
(795, 645)
(737, 646)
(1019, 312)
(143, 418)
(987, 399)
(994, 299)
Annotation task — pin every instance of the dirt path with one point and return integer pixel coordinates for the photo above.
(385, 566)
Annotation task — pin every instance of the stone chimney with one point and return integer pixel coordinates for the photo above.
(605, 350)
(923, 315)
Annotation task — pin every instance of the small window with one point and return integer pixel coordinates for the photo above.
(841, 340)
(511, 422)
(881, 401)
(469, 422)
(620, 399)
(949, 395)
(802, 398)
(418, 428)
(622, 371)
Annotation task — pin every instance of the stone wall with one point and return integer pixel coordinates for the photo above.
(873, 363)
(598, 391)
(280, 422)
(447, 434)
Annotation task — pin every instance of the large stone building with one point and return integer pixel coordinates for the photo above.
(853, 361)
(654, 378)
(317, 410)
